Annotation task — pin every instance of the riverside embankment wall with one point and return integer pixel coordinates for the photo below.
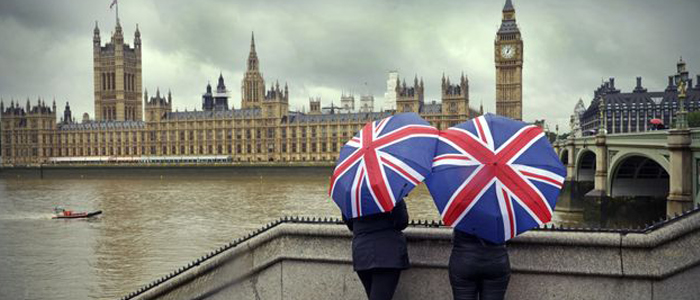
(310, 259)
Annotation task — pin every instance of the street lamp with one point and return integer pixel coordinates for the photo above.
(682, 114)
(602, 125)
(681, 79)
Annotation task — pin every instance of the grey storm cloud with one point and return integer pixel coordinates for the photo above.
(322, 48)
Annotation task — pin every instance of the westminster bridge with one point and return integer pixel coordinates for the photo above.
(659, 163)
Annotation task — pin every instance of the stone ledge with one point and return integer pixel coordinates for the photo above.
(666, 256)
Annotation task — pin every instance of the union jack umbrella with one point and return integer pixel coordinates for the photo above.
(495, 178)
(382, 163)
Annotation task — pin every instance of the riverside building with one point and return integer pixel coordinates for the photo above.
(623, 112)
(128, 128)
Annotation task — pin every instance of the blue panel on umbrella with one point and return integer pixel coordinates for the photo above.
(550, 192)
(502, 128)
(523, 219)
(368, 204)
(445, 183)
(486, 219)
(342, 191)
(542, 156)
(409, 152)
(406, 186)
(403, 119)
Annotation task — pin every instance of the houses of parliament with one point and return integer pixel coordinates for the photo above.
(131, 125)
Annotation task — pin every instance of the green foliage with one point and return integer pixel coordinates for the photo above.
(694, 119)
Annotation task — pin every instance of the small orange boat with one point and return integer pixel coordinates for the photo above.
(69, 214)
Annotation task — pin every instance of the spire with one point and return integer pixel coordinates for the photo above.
(145, 95)
(97, 30)
(253, 56)
(508, 6)
(118, 27)
(137, 36)
(221, 87)
(170, 97)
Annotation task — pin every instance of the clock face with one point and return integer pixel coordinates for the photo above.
(507, 51)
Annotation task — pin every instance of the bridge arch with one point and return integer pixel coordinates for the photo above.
(638, 174)
(564, 156)
(585, 165)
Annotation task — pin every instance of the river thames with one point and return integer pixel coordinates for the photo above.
(153, 222)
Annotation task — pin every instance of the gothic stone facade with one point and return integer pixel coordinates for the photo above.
(262, 130)
(117, 77)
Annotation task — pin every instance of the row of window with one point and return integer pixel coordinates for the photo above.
(109, 82)
(184, 150)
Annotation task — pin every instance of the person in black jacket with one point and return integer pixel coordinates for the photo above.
(379, 252)
(478, 269)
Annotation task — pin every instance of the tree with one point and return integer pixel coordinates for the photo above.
(694, 119)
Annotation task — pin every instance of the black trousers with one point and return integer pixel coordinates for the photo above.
(479, 271)
(380, 283)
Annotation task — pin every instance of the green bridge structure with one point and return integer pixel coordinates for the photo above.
(663, 163)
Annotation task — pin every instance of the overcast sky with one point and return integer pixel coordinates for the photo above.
(324, 47)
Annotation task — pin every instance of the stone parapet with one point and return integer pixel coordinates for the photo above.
(311, 259)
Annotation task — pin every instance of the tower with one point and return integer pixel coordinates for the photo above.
(208, 99)
(158, 106)
(390, 95)
(117, 77)
(455, 98)
(253, 85)
(221, 96)
(67, 114)
(509, 66)
(276, 101)
(315, 106)
(347, 102)
(409, 99)
(366, 103)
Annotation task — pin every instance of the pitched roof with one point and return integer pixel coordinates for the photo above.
(508, 6)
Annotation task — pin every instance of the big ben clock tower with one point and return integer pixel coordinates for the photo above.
(509, 66)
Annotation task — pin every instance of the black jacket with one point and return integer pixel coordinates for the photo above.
(378, 241)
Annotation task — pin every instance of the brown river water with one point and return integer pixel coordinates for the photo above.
(153, 222)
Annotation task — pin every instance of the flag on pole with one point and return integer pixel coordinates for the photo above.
(114, 2)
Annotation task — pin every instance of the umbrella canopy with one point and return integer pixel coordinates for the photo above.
(382, 163)
(495, 177)
(656, 121)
